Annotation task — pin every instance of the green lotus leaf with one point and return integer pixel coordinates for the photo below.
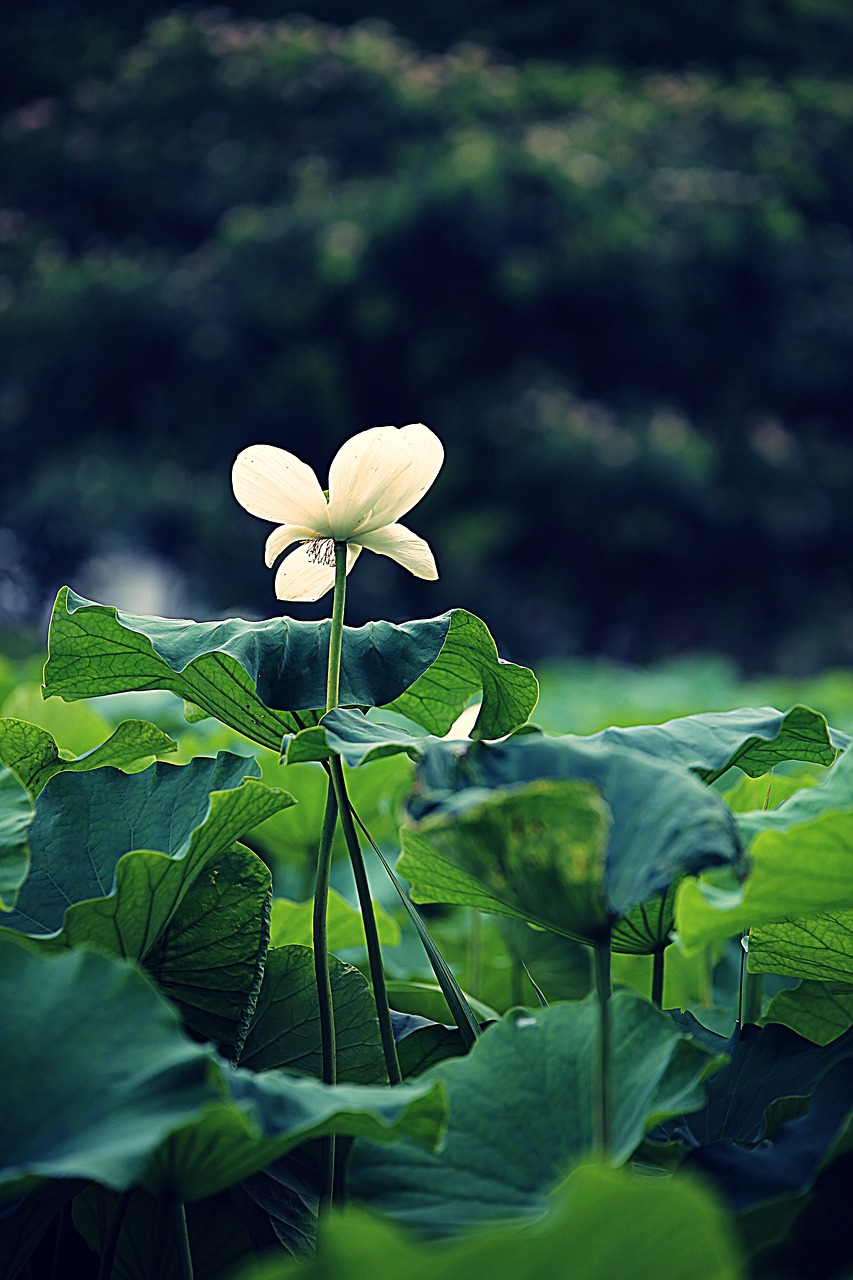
(357, 740)
(818, 1011)
(801, 858)
(537, 853)
(755, 739)
(569, 835)
(207, 959)
(121, 897)
(16, 814)
(468, 663)
(752, 1175)
(252, 675)
(267, 1114)
(148, 1247)
(819, 946)
(24, 1224)
(607, 1222)
(33, 755)
(129, 1098)
(521, 1108)
(285, 1031)
(765, 1064)
(101, 1071)
(646, 928)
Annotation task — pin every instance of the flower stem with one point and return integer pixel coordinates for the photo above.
(322, 975)
(365, 901)
(657, 978)
(752, 988)
(185, 1258)
(603, 1100)
(336, 636)
(324, 982)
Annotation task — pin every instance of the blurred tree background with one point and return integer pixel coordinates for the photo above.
(603, 249)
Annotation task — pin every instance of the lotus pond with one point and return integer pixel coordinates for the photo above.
(591, 986)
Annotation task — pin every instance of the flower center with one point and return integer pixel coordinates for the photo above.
(322, 551)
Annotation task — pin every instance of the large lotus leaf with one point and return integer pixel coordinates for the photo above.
(767, 791)
(207, 959)
(148, 1246)
(820, 1011)
(292, 922)
(788, 1165)
(16, 814)
(560, 966)
(98, 1071)
(121, 902)
(766, 1063)
(646, 928)
(818, 947)
(78, 727)
(801, 859)
(468, 663)
(756, 739)
(356, 739)
(501, 820)
(285, 1031)
(280, 1203)
(33, 755)
(536, 853)
(251, 675)
(426, 1044)
(601, 1224)
(267, 1114)
(103, 1081)
(23, 1223)
(522, 1113)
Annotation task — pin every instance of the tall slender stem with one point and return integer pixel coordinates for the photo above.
(336, 774)
(322, 977)
(185, 1258)
(371, 934)
(336, 635)
(657, 978)
(752, 984)
(603, 1082)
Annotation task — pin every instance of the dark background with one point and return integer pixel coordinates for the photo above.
(604, 250)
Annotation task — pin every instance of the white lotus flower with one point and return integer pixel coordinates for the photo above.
(375, 478)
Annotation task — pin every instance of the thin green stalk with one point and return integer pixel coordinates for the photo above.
(108, 1256)
(752, 993)
(322, 975)
(323, 979)
(365, 901)
(185, 1258)
(460, 1010)
(657, 978)
(336, 636)
(603, 1081)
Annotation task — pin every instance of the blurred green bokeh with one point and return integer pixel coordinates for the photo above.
(603, 250)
